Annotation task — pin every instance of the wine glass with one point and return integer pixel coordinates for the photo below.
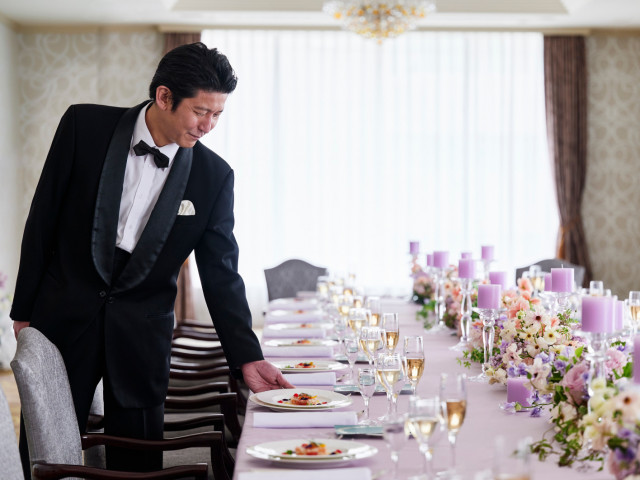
(634, 308)
(393, 432)
(453, 394)
(370, 341)
(414, 358)
(391, 375)
(392, 330)
(351, 351)
(357, 318)
(373, 305)
(596, 288)
(424, 421)
(367, 387)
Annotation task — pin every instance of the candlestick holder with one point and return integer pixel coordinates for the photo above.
(560, 302)
(439, 276)
(487, 266)
(597, 345)
(488, 317)
(466, 288)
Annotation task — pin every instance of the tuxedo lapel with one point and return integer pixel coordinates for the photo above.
(160, 222)
(107, 211)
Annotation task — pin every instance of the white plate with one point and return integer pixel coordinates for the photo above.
(293, 408)
(292, 342)
(274, 451)
(289, 366)
(275, 399)
(299, 326)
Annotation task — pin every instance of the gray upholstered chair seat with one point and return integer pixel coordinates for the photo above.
(290, 277)
(9, 455)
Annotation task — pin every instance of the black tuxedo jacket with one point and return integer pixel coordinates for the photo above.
(64, 279)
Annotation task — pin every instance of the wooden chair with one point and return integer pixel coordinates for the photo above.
(55, 443)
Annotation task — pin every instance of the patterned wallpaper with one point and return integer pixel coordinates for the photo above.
(611, 205)
(56, 70)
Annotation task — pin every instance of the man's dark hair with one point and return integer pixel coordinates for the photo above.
(189, 68)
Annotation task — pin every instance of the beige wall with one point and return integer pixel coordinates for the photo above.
(10, 161)
(611, 205)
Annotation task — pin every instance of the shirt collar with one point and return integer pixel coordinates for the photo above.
(141, 132)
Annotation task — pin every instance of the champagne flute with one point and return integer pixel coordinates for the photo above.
(414, 358)
(370, 341)
(391, 374)
(424, 422)
(351, 351)
(453, 394)
(394, 436)
(357, 318)
(373, 305)
(367, 387)
(392, 330)
(634, 308)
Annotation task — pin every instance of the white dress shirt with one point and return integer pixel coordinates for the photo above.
(143, 182)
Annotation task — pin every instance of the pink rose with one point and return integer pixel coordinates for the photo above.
(616, 360)
(574, 380)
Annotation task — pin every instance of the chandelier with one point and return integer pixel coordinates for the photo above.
(379, 19)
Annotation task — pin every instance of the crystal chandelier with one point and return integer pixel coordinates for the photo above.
(379, 19)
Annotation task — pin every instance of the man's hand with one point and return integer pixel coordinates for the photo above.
(262, 375)
(17, 326)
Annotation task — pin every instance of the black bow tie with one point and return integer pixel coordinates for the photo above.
(162, 161)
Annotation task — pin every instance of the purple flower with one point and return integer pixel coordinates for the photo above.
(544, 357)
(561, 366)
(536, 411)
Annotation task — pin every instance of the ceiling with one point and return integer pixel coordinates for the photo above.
(451, 14)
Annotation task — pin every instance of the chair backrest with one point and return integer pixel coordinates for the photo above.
(9, 455)
(548, 264)
(291, 277)
(45, 397)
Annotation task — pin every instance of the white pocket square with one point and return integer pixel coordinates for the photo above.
(186, 208)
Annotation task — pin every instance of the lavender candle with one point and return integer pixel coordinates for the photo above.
(547, 282)
(414, 248)
(487, 252)
(466, 255)
(429, 259)
(597, 314)
(562, 280)
(488, 296)
(466, 268)
(498, 278)
(440, 259)
(517, 391)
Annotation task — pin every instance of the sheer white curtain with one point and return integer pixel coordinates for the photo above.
(344, 150)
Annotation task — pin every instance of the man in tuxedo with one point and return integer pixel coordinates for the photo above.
(124, 197)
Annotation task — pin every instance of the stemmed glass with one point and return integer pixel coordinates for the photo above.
(373, 305)
(414, 358)
(367, 387)
(392, 331)
(391, 375)
(634, 308)
(424, 422)
(453, 394)
(351, 351)
(370, 341)
(596, 288)
(357, 318)
(393, 433)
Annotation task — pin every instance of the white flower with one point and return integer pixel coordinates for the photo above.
(550, 336)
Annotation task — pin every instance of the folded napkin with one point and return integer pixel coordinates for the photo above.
(293, 304)
(351, 473)
(303, 419)
(307, 332)
(288, 316)
(311, 378)
(298, 351)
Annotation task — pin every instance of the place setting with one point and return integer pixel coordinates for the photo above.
(300, 400)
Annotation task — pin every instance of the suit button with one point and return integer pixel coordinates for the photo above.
(102, 294)
(110, 300)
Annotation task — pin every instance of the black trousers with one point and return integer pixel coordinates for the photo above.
(85, 363)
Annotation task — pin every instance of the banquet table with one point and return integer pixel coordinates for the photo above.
(485, 421)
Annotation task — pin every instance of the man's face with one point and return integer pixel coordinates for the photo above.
(193, 118)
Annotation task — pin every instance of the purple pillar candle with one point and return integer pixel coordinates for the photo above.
(498, 278)
(636, 359)
(466, 255)
(547, 282)
(517, 391)
(618, 318)
(466, 268)
(488, 296)
(487, 252)
(429, 259)
(414, 248)
(440, 259)
(597, 314)
(562, 280)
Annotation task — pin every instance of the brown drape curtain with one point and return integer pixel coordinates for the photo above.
(185, 307)
(565, 82)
